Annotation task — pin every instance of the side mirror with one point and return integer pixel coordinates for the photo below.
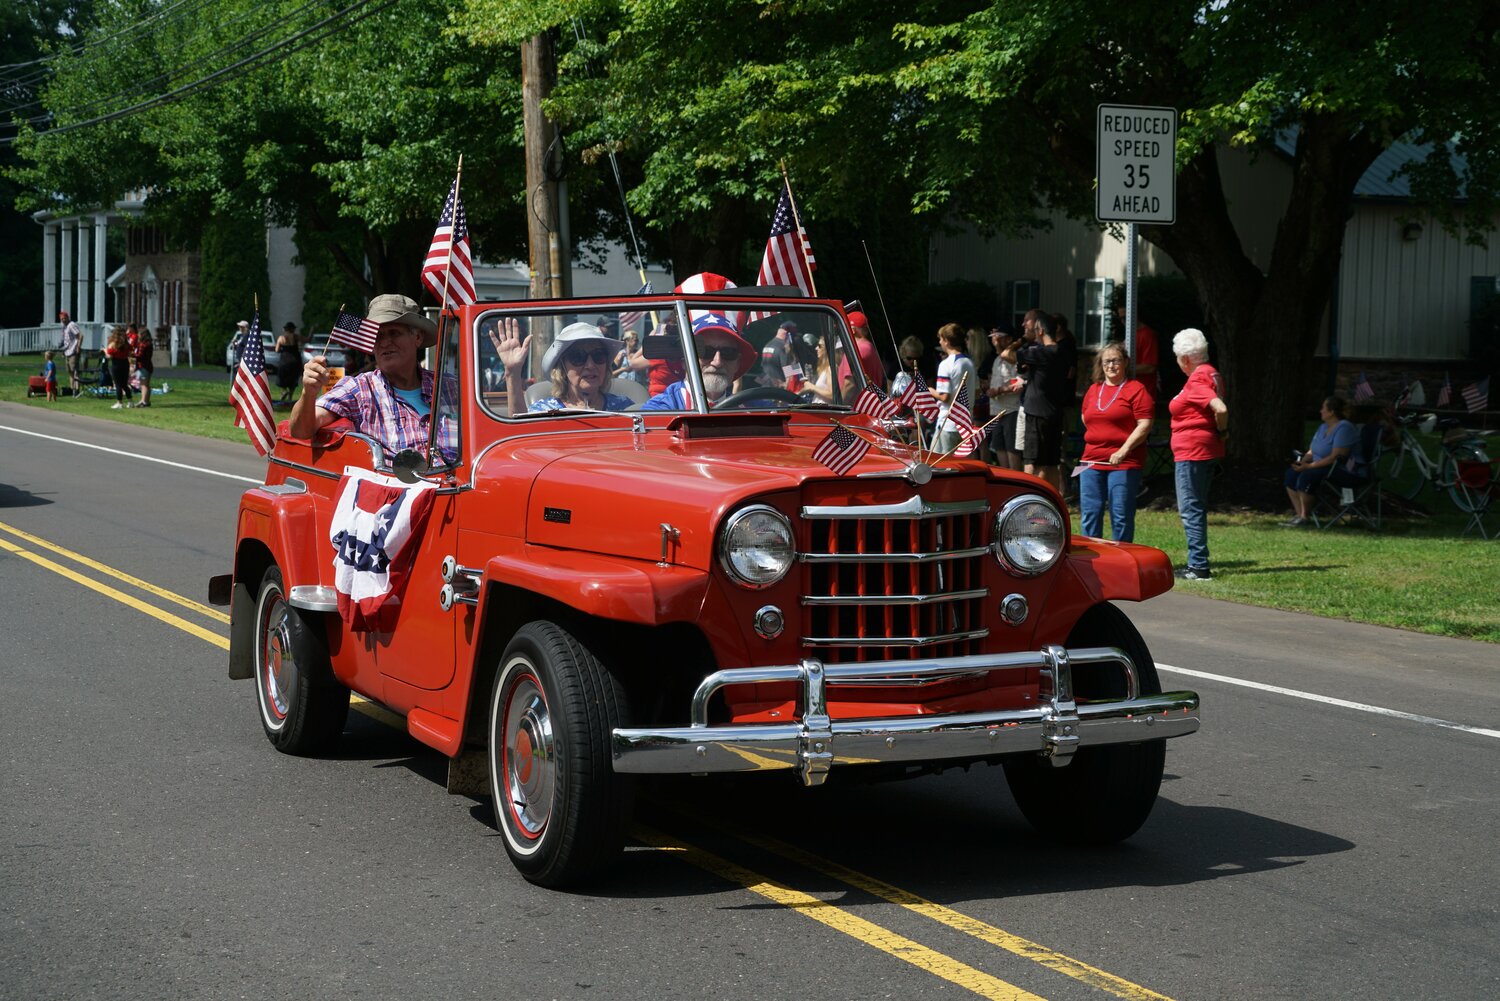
(406, 465)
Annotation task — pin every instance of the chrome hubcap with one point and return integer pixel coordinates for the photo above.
(530, 765)
(278, 663)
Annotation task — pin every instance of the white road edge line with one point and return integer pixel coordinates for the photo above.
(1329, 700)
(134, 455)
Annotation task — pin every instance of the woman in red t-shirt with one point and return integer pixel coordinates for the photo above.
(1199, 417)
(1116, 420)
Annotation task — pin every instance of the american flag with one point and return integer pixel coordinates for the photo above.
(960, 418)
(451, 241)
(1445, 395)
(917, 397)
(1363, 390)
(872, 400)
(1477, 396)
(630, 319)
(841, 450)
(251, 393)
(1412, 395)
(788, 259)
(355, 331)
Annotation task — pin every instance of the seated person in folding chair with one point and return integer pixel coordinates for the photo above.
(1324, 459)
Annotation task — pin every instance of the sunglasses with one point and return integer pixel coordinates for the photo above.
(728, 352)
(582, 356)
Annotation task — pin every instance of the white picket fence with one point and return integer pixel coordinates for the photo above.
(48, 337)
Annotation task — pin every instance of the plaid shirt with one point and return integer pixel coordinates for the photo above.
(370, 404)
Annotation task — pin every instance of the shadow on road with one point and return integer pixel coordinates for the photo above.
(16, 497)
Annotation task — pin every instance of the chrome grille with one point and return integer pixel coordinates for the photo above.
(894, 581)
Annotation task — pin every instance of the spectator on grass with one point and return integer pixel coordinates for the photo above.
(1324, 459)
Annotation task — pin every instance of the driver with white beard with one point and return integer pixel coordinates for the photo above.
(723, 357)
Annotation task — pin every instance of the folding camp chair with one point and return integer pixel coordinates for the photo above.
(1474, 487)
(1352, 490)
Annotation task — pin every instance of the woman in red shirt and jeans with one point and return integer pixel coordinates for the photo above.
(1116, 420)
(1199, 417)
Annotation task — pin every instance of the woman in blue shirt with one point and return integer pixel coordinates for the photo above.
(1325, 457)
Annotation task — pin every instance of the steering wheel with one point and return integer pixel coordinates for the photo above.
(751, 394)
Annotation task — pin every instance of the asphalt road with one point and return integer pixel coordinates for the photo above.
(153, 845)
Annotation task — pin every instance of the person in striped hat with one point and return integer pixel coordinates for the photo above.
(723, 355)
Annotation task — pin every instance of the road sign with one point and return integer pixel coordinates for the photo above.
(1134, 164)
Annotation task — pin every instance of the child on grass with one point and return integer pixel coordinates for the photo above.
(49, 374)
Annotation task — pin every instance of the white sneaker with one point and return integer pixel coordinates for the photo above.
(116, 406)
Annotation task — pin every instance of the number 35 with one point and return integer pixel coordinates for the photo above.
(1134, 172)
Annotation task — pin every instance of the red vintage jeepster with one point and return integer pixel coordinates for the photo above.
(675, 584)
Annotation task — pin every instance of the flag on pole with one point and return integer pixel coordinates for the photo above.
(629, 319)
(251, 392)
(1477, 396)
(1363, 390)
(450, 254)
(355, 331)
(918, 398)
(841, 450)
(960, 418)
(1445, 395)
(873, 401)
(788, 258)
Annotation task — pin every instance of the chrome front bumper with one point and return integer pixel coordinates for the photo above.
(1055, 728)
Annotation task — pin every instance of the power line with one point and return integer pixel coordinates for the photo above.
(265, 57)
(93, 42)
(146, 86)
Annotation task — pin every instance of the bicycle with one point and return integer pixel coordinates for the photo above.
(1462, 468)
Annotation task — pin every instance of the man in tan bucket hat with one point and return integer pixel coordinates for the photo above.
(392, 403)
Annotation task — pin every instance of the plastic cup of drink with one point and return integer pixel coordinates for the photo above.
(333, 376)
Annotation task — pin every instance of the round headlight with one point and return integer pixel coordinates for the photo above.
(1030, 534)
(756, 547)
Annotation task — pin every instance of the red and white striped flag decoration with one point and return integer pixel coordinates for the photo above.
(450, 254)
(1445, 395)
(251, 392)
(918, 398)
(873, 401)
(1363, 390)
(960, 418)
(1477, 396)
(841, 450)
(355, 331)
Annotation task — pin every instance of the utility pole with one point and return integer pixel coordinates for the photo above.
(548, 254)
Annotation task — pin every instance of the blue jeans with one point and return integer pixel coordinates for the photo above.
(1096, 484)
(1193, 478)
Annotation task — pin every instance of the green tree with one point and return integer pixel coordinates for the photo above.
(29, 29)
(1012, 87)
(233, 279)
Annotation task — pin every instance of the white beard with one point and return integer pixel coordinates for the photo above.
(715, 384)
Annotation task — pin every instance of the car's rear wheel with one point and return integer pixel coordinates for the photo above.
(558, 802)
(1104, 794)
(302, 707)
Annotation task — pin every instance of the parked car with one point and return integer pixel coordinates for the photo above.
(319, 344)
(597, 595)
(267, 343)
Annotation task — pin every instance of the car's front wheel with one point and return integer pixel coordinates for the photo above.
(1106, 793)
(302, 707)
(558, 803)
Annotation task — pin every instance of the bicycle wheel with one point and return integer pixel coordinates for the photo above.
(1400, 473)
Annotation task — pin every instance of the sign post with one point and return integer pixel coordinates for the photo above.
(1135, 181)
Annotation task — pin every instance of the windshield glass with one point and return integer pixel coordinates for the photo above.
(665, 356)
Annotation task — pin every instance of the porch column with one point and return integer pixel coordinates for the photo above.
(65, 277)
(84, 259)
(101, 234)
(49, 272)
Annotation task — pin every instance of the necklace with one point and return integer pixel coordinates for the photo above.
(1099, 400)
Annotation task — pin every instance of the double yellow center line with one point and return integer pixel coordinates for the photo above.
(836, 918)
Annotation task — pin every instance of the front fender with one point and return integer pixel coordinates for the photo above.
(1118, 571)
(604, 586)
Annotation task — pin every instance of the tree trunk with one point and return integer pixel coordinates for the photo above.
(538, 75)
(1264, 328)
(722, 251)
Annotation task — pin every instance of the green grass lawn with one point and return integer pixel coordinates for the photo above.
(191, 406)
(1416, 573)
